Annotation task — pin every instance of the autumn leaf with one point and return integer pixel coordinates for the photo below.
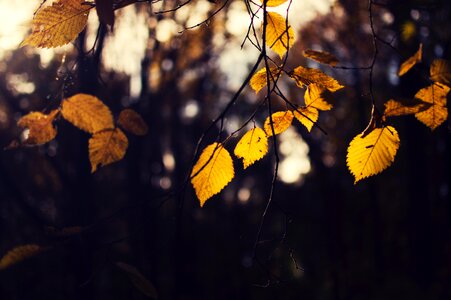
(106, 147)
(272, 3)
(321, 57)
(19, 254)
(58, 24)
(259, 79)
(313, 97)
(40, 127)
(87, 112)
(279, 36)
(212, 172)
(281, 121)
(373, 153)
(404, 107)
(411, 61)
(307, 116)
(252, 147)
(138, 280)
(441, 71)
(132, 122)
(437, 112)
(305, 76)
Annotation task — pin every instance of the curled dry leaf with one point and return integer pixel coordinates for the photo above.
(305, 76)
(106, 147)
(373, 153)
(252, 146)
(58, 24)
(321, 57)
(279, 34)
(87, 112)
(132, 122)
(212, 172)
(411, 61)
(404, 107)
(19, 254)
(281, 121)
(40, 127)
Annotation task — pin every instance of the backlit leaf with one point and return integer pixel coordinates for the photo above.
(281, 121)
(404, 107)
(58, 24)
(272, 3)
(305, 76)
(212, 172)
(321, 57)
(40, 127)
(437, 113)
(279, 36)
(441, 71)
(87, 112)
(19, 254)
(252, 146)
(373, 153)
(106, 147)
(411, 61)
(313, 97)
(259, 79)
(307, 116)
(132, 122)
(138, 280)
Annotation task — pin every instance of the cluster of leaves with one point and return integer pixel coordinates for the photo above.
(374, 150)
(107, 144)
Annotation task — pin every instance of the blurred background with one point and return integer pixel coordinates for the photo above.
(388, 237)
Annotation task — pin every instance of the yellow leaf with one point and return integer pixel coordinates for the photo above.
(281, 121)
(138, 280)
(441, 71)
(404, 107)
(314, 98)
(321, 57)
(106, 147)
(40, 126)
(259, 79)
(212, 172)
(373, 153)
(131, 121)
(87, 112)
(19, 254)
(305, 76)
(437, 113)
(279, 36)
(58, 24)
(307, 116)
(272, 3)
(411, 61)
(252, 146)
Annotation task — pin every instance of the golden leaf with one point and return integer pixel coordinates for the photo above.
(305, 76)
(106, 147)
(40, 126)
(212, 172)
(314, 98)
(19, 254)
(138, 280)
(373, 153)
(252, 146)
(437, 113)
(404, 107)
(321, 57)
(441, 71)
(307, 116)
(87, 112)
(58, 24)
(281, 121)
(259, 79)
(279, 36)
(411, 61)
(272, 3)
(131, 121)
